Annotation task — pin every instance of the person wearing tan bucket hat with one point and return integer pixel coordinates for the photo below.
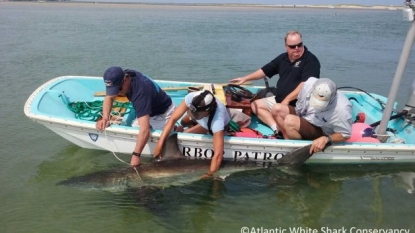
(211, 117)
(321, 114)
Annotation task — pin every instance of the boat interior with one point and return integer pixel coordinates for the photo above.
(81, 99)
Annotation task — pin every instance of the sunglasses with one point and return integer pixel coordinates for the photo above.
(299, 45)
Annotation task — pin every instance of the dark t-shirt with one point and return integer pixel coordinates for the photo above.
(292, 73)
(146, 96)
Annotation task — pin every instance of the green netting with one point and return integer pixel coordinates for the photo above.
(91, 111)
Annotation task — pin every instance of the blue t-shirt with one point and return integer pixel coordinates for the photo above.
(146, 96)
(220, 119)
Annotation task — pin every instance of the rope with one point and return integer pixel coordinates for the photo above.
(91, 111)
(135, 169)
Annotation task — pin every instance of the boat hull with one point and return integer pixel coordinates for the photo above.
(121, 139)
(261, 150)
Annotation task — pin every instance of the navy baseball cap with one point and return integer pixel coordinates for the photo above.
(113, 78)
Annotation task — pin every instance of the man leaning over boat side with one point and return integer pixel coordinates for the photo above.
(322, 114)
(294, 67)
(153, 107)
(211, 116)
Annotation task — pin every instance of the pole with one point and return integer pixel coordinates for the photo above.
(403, 60)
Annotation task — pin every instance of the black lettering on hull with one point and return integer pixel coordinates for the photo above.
(198, 152)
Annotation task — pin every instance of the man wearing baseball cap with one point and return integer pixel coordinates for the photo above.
(321, 114)
(153, 107)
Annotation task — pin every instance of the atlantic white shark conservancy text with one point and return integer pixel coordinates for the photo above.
(246, 229)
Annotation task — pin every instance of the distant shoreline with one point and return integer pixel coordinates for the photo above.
(219, 5)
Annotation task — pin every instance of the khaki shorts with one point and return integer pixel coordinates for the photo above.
(158, 121)
(307, 131)
(269, 102)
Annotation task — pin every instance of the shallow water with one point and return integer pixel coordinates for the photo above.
(41, 41)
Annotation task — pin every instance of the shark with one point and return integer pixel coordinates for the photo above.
(171, 169)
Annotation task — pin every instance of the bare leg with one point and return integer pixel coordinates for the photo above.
(292, 127)
(261, 109)
(279, 113)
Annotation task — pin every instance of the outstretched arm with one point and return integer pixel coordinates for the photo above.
(259, 74)
(320, 143)
(180, 110)
(218, 146)
(106, 110)
(142, 138)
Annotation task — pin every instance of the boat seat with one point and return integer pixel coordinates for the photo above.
(244, 104)
(217, 90)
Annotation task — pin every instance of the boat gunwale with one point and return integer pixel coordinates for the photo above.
(231, 141)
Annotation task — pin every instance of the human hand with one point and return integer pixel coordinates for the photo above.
(135, 161)
(237, 81)
(207, 175)
(318, 144)
(157, 151)
(102, 124)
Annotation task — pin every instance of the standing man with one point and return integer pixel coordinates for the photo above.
(153, 107)
(322, 114)
(294, 68)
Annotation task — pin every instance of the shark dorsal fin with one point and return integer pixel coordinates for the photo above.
(170, 150)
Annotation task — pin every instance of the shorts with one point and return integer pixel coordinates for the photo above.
(307, 131)
(269, 102)
(158, 121)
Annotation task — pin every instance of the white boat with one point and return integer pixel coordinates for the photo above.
(48, 105)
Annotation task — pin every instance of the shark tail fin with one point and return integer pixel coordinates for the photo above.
(296, 157)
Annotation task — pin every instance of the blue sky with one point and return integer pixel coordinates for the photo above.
(277, 2)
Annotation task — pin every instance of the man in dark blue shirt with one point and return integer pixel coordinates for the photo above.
(153, 107)
(294, 67)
